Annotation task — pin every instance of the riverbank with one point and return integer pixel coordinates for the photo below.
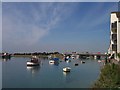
(41, 56)
(29, 56)
(109, 77)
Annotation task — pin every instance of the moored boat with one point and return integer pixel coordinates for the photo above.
(99, 61)
(66, 69)
(82, 61)
(68, 61)
(6, 56)
(76, 64)
(29, 63)
(34, 62)
(51, 62)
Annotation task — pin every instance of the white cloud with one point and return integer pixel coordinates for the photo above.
(26, 28)
(18, 27)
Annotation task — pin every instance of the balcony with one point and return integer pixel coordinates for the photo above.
(114, 47)
(115, 42)
(114, 30)
(114, 37)
(114, 25)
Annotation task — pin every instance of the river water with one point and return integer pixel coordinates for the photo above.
(16, 74)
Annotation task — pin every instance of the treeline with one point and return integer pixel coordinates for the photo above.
(37, 53)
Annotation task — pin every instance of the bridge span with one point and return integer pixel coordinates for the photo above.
(94, 56)
(88, 55)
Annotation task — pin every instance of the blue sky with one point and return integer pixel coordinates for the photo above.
(63, 27)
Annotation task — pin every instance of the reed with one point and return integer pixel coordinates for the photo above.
(109, 77)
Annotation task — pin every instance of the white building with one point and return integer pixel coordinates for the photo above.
(114, 47)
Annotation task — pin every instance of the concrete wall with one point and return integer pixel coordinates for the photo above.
(113, 17)
(118, 37)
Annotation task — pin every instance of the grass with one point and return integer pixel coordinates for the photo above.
(118, 55)
(109, 77)
(41, 56)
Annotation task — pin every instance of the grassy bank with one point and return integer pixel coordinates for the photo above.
(109, 77)
(29, 56)
(41, 56)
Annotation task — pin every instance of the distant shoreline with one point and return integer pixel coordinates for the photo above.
(29, 55)
(40, 56)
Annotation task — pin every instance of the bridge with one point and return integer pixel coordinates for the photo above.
(88, 55)
(94, 56)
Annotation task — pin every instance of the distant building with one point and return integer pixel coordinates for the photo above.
(114, 47)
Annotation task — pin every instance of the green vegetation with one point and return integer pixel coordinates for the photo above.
(118, 54)
(40, 55)
(57, 55)
(109, 77)
(29, 56)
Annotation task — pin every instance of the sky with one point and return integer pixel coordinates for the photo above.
(56, 26)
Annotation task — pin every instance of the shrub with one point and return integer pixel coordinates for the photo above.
(109, 77)
(118, 54)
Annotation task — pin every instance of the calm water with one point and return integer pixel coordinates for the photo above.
(17, 75)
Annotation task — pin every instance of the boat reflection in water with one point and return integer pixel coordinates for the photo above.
(5, 55)
(33, 69)
(66, 73)
(5, 59)
(67, 77)
(56, 63)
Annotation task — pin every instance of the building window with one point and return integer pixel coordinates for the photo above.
(114, 36)
(114, 25)
(114, 47)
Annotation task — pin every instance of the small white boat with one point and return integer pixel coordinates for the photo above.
(34, 62)
(66, 69)
(73, 57)
(68, 61)
(51, 62)
(99, 61)
(5, 56)
(29, 63)
(82, 61)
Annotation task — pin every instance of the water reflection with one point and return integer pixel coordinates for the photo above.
(42, 75)
(56, 63)
(67, 76)
(5, 59)
(66, 73)
(33, 69)
(44, 58)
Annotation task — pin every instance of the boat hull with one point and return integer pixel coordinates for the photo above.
(76, 64)
(32, 64)
(51, 62)
(82, 61)
(66, 69)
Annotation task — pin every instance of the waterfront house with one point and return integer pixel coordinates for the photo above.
(114, 47)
